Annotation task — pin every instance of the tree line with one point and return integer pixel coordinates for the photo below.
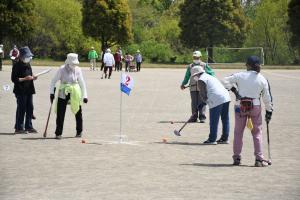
(163, 30)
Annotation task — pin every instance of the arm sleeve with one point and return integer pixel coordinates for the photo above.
(202, 90)
(230, 81)
(267, 96)
(82, 84)
(187, 76)
(14, 74)
(54, 81)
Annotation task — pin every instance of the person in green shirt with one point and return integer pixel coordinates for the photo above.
(92, 57)
(193, 68)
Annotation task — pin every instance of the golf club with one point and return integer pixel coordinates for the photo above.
(45, 132)
(268, 138)
(177, 132)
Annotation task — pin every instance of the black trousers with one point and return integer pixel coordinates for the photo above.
(138, 66)
(24, 107)
(60, 118)
(0, 63)
(109, 69)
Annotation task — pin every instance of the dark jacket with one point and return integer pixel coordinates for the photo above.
(21, 70)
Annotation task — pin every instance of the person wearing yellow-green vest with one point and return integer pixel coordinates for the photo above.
(193, 68)
(72, 90)
(92, 57)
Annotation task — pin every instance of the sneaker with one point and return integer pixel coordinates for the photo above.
(237, 161)
(202, 120)
(58, 137)
(222, 141)
(260, 163)
(32, 130)
(20, 132)
(208, 142)
(78, 135)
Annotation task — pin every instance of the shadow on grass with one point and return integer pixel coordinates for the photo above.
(213, 165)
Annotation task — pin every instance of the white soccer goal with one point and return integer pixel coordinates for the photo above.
(225, 55)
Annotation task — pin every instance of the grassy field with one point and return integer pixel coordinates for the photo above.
(45, 63)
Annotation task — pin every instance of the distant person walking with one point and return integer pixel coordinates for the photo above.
(121, 54)
(23, 78)
(109, 63)
(118, 60)
(138, 60)
(92, 57)
(1, 55)
(128, 59)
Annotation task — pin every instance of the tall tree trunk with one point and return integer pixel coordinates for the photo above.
(210, 54)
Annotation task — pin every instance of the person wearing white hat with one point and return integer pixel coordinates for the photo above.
(24, 89)
(14, 54)
(1, 55)
(92, 56)
(138, 60)
(194, 92)
(214, 94)
(109, 63)
(72, 90)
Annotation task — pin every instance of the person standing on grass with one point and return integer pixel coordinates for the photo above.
(251, 86)
(214, 94)
(92, 57)
(23, 78)
(194, 92)
(109, 63)
(72, 90)
(138, 60)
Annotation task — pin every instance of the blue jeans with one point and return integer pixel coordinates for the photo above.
(214, 115)
(24, 105)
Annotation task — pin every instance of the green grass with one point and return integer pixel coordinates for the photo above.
(46, 62)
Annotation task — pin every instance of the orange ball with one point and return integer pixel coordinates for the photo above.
(165, 140)
(83, 141)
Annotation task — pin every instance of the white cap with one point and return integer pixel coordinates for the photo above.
(197, 54)
(198, 70)
(72, 59)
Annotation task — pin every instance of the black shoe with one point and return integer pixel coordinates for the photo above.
(202, 120)
(20, 132)
(222, 141)
(236, 161)
(33, 117)
(78, 135)
(208, 142)
(58, 137)
(32, 130)
(192, 120)
(105, 76)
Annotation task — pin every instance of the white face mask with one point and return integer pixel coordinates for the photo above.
(27, 60)
(196, 61)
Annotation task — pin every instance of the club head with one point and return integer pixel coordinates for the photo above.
(176, 132)
(269, 162)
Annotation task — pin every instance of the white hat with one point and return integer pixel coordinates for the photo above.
(72, 59)
(197, 54)
(197, 70)
(108, 50)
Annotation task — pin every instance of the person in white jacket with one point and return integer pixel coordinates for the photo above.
(250, 86)
(109, 63)
(72, 90)
(214, 94)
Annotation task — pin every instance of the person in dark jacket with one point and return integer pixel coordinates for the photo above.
(23, 78)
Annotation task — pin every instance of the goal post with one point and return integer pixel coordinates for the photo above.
(233, 55)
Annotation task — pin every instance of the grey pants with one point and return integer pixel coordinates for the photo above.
(194, 104)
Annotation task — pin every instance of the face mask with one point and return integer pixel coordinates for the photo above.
(27, 60)
(196, 61)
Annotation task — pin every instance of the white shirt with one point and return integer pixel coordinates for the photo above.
(108, 59)
(68, 75)
(216, 92)
(251, 84)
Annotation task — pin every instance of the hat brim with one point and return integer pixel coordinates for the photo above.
(197, 73)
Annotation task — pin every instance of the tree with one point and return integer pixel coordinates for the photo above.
(16, 19)
(208, 23)
(293, 22)
(107, 21)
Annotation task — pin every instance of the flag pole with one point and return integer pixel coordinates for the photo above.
(120, 136)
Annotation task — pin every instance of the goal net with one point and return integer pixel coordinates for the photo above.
(223, 55)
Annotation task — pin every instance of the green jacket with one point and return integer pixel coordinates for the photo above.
(187, 76)
(92, 54)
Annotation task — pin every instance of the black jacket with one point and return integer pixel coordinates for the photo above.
(21, 70)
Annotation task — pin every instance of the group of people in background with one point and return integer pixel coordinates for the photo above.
(249, 88)
(115, 60)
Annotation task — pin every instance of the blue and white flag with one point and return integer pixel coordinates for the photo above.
(126, 83)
